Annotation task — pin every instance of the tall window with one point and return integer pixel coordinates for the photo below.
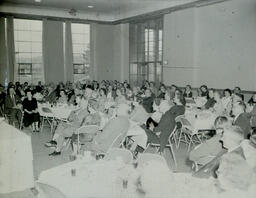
(81, 50)
(28, 51)
(146, 51)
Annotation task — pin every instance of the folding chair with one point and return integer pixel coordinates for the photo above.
(50, 191)
(47, 115)
(169, 145)
(20, 124)
(89, 129)
(187, 133)
(114, 153)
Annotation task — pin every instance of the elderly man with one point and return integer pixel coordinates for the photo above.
(241, 119)
(84, 116)
(115, 129)
(13, 106)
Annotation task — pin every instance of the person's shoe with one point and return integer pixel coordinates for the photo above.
(54, 153)
(52, 143)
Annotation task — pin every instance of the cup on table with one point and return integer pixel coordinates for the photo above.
(73, 172)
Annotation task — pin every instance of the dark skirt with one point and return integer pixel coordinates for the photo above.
(30, 118)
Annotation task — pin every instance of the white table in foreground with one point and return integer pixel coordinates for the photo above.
(16, 160)
(93, 178)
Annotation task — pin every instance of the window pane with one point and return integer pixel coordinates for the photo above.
(24, 46)
(22, 24)
(78, 58)
(36, 36)
(36, 47)
(146, 39)
(77, 38)
(23, 36)
(36, 25)
(77, 48)
(24, 58)
(28, 50)
(37, 58)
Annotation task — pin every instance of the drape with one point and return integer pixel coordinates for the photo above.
(53, 51)
(10, 49)
(69, 76)
(3, 52)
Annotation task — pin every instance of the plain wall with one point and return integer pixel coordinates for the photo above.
(213, 45)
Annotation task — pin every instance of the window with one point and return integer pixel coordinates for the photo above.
(81, 50)
(28, 51)
(146, 51)
(25, 69)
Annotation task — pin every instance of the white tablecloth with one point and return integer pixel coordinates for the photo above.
(200, 120)
(93, 178)
(59, 111)
(16, 160)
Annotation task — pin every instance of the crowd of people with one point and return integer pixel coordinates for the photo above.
(114, 106)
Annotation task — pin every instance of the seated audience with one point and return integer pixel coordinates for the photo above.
(188, 92)
(211, 101)
(13, 106)
(147, 101)
(226, 99)
(167, 123)
(31, 115)
(115, 129)
(206, 151)
(241, 119)
(76, 120)
(204, 91)
(237, 90)
(218, 107)
(162, 91)
(63, 99)
(2, 100)
(234, 172)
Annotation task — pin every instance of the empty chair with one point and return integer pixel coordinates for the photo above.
(50, 191)
(115, 153)
(47, 115)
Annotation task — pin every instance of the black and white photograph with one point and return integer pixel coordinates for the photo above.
(127, 98)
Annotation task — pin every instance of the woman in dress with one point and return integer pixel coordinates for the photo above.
(31, 115)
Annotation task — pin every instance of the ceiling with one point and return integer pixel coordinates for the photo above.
(103, 10)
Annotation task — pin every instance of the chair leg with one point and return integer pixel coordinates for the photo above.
(190, 142)
(173, 154)
(42, 126)
(180, 138)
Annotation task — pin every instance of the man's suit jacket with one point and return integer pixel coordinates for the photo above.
(167, 123)
(243, 121)
(115, 127)
(9, 104)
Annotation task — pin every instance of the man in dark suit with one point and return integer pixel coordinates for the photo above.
(241, 119)
(12, 106)
(167, 123)
(2, 99)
